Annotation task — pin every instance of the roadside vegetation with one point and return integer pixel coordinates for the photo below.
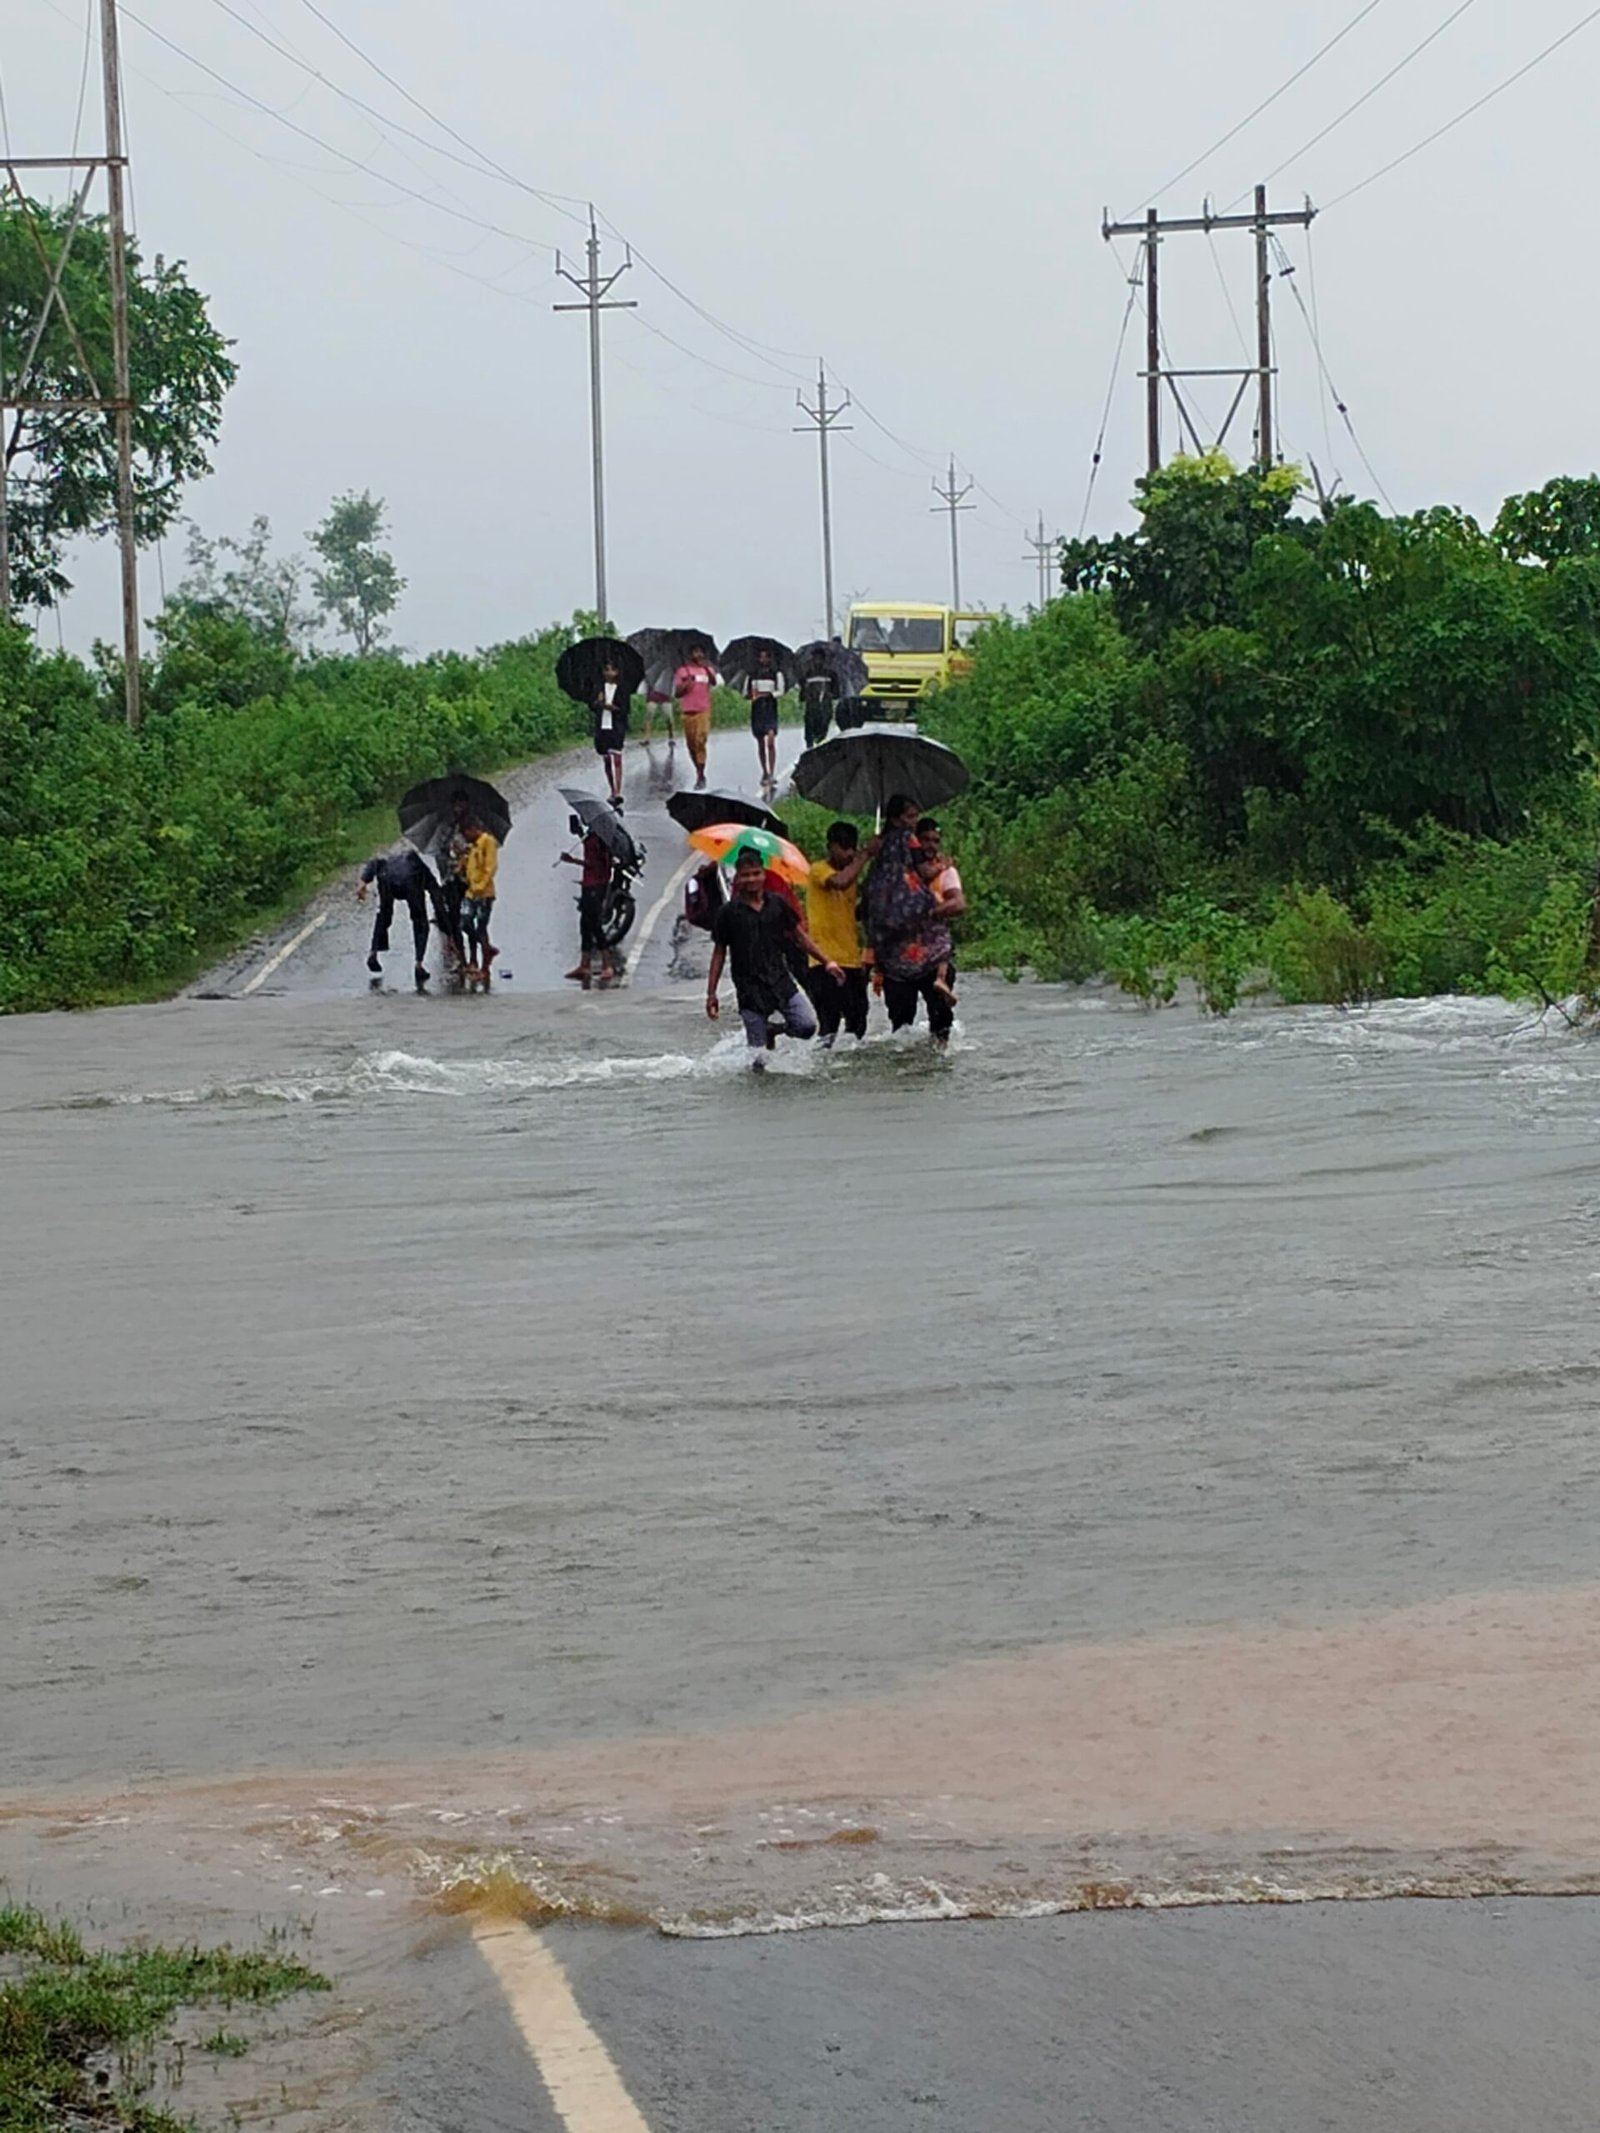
(134, 857)
(86, 2036)
(1338, 755)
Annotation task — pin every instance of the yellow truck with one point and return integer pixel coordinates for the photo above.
(909, 648)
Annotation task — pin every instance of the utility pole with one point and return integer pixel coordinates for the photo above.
(595, 289)
(1152, 341)
(1158, 372)
(951, 500)
(824, 418)
(1043, 546)
(19, 397)
(121, 385)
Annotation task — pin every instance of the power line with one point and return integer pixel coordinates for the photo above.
(1234, 131)
(1286, 273)
(1367, 94)
(564, 203)
(1111, 388)
(367, 169)
(1450, 124)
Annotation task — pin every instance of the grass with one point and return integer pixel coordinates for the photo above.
(79, 2027)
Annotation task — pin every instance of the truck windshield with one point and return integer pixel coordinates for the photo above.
(897, 633)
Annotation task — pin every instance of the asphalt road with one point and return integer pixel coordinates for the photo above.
(535, 923)
(1410, 2017)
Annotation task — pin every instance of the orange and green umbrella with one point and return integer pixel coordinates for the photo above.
(724, 841)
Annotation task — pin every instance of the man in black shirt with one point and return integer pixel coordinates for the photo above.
(402, 878)
(755, 929)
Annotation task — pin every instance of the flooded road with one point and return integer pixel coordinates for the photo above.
(498, 1452)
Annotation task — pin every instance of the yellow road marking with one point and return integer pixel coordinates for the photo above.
(284, 954)
(573, 2063)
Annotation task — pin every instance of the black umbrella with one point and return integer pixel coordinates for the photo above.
(430, 810)
(739, 660)
(599, 820)
(826, 659)
(664, 651)
(581, 668)
(698, 810)
(856, 772)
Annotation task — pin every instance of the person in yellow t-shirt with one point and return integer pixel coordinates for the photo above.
(479, 867)
(831, 895)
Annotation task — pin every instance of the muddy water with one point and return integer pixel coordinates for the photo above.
(1131, 1453)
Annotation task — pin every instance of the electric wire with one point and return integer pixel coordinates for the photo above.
(563, 203)
(1365, 97)
(1450, 124)
(1316, 336)
(367, 169)
(1286, 273)
(83, 73)
(1234, 131)
(381, 119)
(1105, 412)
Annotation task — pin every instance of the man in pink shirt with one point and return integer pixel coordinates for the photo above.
(691, 685)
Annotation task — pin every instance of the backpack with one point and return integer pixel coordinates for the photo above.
(704, 895)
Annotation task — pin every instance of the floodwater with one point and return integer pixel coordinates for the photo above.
(1132, 1457)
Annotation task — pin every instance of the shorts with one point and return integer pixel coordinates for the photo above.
(475, 912)
(609, 735)
(764, 716)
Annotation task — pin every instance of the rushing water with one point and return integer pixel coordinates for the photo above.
(1130, 1456)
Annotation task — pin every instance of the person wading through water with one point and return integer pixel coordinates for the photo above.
(755, 929)
(592, 885)
(831, 896)
(910, 941)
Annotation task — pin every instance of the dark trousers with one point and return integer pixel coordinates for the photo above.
(591, 903)
(819, 717)
(836, 1003)
(900, 996)
(416, 902)
(452, 892)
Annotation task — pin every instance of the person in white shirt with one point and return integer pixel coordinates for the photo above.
(763, 689)
(610, 708)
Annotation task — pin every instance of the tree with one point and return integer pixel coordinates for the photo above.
(259, 588)
(360, 584)
(61, 466)
(1561, 519)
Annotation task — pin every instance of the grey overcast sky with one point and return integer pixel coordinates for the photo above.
(912, 192)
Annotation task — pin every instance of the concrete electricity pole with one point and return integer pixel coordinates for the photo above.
(824, 418)
(1156, 371)
(15, 393)
(1043, 547)
(951, 500)
(595, 289)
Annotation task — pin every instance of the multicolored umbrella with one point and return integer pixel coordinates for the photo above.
(724, 841)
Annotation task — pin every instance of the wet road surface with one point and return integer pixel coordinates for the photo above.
(535, 922)
(466, 1454)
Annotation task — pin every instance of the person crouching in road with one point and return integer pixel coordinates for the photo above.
(831, 895)
(610, 708)
(402, 878)
(592, 885)
(479, 869)
(692, 685)
(755, 930)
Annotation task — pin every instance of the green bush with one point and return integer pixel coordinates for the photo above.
(130, 856)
